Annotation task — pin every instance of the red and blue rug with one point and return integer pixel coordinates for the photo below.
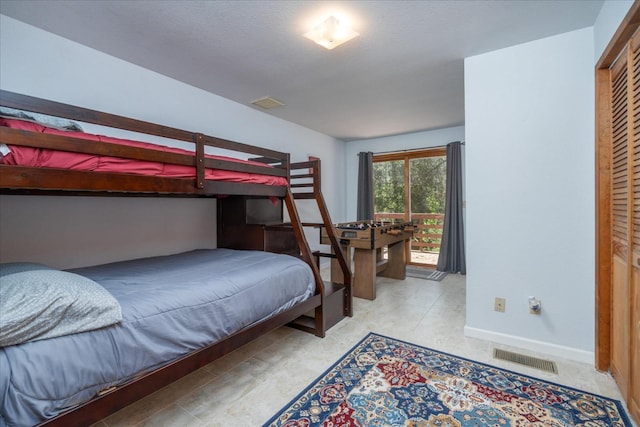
(387, 382)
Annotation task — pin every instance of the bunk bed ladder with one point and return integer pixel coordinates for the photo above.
(337, 299)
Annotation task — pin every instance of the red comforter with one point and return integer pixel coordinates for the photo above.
(47, 158)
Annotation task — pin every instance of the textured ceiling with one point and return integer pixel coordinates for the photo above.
(404, 73)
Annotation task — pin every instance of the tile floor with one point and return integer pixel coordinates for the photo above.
(247, 387)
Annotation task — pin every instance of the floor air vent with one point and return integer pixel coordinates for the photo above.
(522, 359)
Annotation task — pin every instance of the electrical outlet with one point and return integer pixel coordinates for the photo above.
(535, 305)
(500, 304)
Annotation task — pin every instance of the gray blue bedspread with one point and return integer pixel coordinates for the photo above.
(170, 305)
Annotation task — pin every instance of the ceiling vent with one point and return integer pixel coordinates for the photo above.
(267, 103)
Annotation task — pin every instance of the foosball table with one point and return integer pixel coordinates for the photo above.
(379, 248)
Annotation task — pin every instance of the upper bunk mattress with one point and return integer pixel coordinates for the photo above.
(47, 158)
(171, 305)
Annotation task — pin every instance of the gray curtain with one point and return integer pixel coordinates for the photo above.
(365, 186)
(451, 257)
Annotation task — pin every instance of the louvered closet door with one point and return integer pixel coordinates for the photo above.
(625, 157)
(633, 398)
(620, 215)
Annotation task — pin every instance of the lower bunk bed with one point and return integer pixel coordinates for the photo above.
(156, 312)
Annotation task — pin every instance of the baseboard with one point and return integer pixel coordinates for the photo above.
(532, 345)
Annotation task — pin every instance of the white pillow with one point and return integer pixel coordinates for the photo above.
(45, 303)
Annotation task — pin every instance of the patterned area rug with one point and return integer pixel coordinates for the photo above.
(386, 382)
(424, 273)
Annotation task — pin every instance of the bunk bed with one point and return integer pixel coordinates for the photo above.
(40, 160)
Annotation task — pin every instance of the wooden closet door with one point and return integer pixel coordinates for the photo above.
(625, 191)
(620, 217)
(618, 209)
(633, 297)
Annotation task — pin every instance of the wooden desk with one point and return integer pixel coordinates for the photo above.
(368, 255)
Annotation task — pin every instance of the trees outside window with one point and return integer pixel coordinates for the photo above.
(411, 186)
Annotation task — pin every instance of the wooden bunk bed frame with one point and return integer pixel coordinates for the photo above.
(50, 181)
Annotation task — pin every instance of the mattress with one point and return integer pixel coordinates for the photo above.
(171, 305)
(48, 158)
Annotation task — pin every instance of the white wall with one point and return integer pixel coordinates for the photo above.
(42, 64)
(407, 141)
(530, 194)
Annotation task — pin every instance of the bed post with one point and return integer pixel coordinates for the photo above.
(199, 143)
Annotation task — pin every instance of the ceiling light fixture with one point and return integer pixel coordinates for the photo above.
(331, 33)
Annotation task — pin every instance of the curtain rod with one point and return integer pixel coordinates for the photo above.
(416, 149)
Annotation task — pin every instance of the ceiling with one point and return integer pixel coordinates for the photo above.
(404, 73)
